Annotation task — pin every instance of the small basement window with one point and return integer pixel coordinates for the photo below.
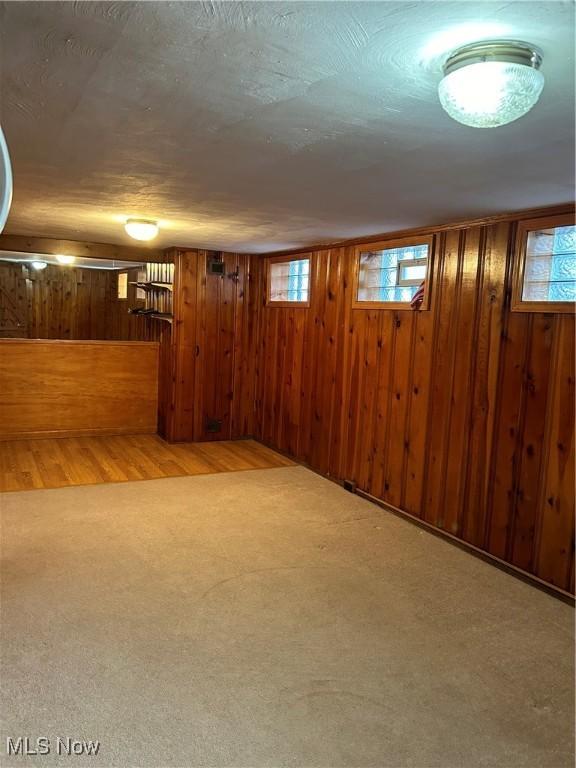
(390, 273)
(288, 281)
(545, 265)
(122, 285)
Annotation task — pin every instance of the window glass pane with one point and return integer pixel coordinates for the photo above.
(562, 291)
(390, 275)
(413, 272)
(550, 267)
(289, 280)
(388, 258)
(563, 267)
(565, 240)
(537, 269)
(405, 294)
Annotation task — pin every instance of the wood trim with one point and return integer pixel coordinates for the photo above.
(74, 433)
(387, 244)
(282, 258)
(519, 263)
(564, 208)
(286, 304)
(82, 342)
(28, 244)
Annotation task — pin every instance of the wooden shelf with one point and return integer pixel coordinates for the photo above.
(157, 284)
(149, 286)
(166, 316)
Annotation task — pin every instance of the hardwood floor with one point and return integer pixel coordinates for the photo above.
(58, 462)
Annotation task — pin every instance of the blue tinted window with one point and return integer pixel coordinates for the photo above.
(298, 280)
(289, 280)
(563, 268)
(389, 259)
(550, 266)
(383, 275)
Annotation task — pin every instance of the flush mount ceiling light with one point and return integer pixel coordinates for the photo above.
(141, 229)
(62, 259)
(491, 83)
(39, 265)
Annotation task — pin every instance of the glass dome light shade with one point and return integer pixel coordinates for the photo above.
(38, 265)
(491, 84)
(141, 229)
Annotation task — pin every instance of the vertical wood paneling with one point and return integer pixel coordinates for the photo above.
(506, 455)
(367, 327)
(461, 381)
(69, 303)
(443, 345)
(418, 410)
(462, 415)
(493, 251)
(246, 343)
(556, 535)
(382, 408)
(535, 397)
(397, 411)
(212, 360)
(341, 260)
(180, 408)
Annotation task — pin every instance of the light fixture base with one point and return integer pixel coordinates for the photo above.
(491, 83)
(511, 51)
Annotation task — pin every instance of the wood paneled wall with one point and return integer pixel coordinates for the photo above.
(209, 371)
(68, 303)
(462, 415)
(62, 388)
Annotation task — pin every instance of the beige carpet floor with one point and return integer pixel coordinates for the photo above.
(269, 618)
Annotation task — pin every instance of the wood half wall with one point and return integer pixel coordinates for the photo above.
(73, 388)
(461, 416)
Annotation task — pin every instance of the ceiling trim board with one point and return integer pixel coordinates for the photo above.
(26, 244)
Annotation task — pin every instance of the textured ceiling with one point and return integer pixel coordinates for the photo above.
(260, 126)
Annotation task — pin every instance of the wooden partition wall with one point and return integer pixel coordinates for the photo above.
(462, 415)
(73, 388)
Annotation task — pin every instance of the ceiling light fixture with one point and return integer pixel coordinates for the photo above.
(38, 265)
(491, 83)
(62, 259)
(141, 229)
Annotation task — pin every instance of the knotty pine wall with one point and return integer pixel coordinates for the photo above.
(462, 415)
(68, 303)
(208, 369)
